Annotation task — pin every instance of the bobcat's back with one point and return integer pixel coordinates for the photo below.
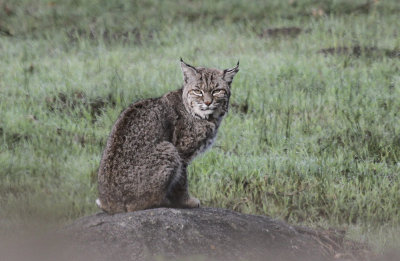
(127, 156)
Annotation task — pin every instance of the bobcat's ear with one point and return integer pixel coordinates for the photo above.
(228, 74)
(189, 72)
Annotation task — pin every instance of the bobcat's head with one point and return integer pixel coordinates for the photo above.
(206, 91)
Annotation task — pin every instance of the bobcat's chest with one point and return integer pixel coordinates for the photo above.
(195, 139)
(205, 144)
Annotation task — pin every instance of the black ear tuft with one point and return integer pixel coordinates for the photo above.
(189, 72)
(230, 73)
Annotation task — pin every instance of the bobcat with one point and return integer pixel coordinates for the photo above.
(153, 141)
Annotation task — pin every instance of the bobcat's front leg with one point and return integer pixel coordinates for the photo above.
(179, 193)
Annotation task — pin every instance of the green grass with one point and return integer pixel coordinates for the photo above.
(310, 138)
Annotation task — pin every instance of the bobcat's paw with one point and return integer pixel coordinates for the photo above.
(192, 203)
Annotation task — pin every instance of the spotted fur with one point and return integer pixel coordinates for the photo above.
(153, 141)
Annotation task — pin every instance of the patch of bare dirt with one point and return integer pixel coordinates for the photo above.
(134, 35)
(240, 107)
(63, 102)
(358, 50)
(281, 32)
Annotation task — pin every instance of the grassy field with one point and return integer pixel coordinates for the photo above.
(312, 136)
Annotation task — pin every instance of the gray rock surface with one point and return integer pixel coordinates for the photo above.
(197, 234)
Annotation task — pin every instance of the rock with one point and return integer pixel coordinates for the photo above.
(198, 234)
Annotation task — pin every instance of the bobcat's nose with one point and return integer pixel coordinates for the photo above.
(207, 103)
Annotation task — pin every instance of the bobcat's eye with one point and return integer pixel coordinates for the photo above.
(218, 92)
(197, 92)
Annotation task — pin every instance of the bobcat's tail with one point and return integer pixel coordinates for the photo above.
(110, 208)
(98, 203)
(102, 206)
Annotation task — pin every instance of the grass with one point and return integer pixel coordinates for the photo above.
(312, 136)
